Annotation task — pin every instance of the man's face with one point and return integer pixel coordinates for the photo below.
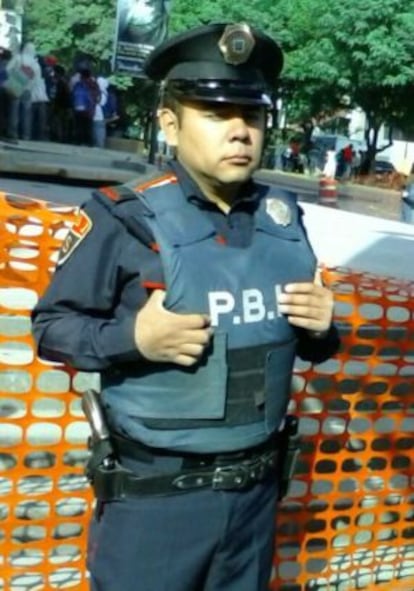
(219, 144)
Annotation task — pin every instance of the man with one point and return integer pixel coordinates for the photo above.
(23, 71)
(191, 294)
(5, 57)
(85, 96)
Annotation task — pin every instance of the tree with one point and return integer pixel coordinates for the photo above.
(187, 13)
(339, 55)
(79, 27)
(352, 54)
(66, 28)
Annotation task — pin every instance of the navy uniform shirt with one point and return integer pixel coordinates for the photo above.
(87, 315)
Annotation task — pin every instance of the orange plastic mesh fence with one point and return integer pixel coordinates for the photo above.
(348, 522)
(44, 498)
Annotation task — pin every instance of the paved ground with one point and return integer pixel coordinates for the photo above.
(362, 231)
(385, 204)
(361, 242)
(66, 163)
(352, 197)
(66, 193)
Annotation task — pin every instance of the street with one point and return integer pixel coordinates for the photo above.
(351, 197)
(69, 194)
(365, 200)
(362, 232)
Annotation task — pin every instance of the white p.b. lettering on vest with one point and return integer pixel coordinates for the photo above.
(253, 308)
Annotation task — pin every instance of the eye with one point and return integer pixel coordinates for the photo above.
(216, 113)
(253, 115)
(216, 116)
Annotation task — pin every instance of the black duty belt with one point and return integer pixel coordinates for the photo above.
(113, 482)
(135, 450)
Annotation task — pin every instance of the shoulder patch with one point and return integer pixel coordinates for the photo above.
(77, 233)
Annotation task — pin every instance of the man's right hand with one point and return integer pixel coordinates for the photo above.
(161, 335)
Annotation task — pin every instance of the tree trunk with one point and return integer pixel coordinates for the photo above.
(371, 139)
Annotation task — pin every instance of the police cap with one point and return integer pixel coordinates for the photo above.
(224, 62)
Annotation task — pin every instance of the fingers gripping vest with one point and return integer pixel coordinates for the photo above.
(237, 395)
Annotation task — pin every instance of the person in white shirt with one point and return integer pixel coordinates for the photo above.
(20, 116)
(40, 103)
(99, 123)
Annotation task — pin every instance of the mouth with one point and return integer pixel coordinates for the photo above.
(239, 159)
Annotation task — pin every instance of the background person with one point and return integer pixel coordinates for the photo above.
(61, 107)
(85, 97)
(111, 110)
(20, 114)
(5, 56)
(40, 107)
(200, 290)
(99, 121)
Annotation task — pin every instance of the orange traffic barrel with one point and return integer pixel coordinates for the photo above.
(328, 192)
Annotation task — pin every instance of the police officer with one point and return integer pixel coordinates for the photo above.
(191, 294)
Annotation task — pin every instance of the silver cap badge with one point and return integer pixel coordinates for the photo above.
(279, 211)
(236, 44)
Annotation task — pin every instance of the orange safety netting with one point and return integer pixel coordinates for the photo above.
(348, 522)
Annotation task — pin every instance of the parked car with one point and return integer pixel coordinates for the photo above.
(326, 141)
(384, 167)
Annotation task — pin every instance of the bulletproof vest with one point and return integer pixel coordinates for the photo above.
(236, 396)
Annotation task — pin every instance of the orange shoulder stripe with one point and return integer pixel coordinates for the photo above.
(167, 178)
(110, 192)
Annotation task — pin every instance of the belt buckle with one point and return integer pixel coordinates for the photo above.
(230, 477)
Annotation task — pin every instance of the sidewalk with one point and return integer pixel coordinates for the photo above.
(361, 242)
(352, 197)
(70, 162)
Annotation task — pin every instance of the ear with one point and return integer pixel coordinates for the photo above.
(169, 124)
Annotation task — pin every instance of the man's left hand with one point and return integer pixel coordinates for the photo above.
(308, 305)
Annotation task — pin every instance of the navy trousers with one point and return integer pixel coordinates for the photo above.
(203, 540)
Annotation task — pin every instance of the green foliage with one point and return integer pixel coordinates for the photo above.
(188, 13)
(65, 28)
(351, 53)
(348, 53)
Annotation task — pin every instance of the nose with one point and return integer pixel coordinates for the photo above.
(239, 129)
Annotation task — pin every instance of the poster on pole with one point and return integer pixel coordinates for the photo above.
(141, 25)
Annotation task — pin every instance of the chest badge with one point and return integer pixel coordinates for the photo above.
(279, 211)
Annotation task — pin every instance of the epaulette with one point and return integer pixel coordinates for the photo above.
(112, 198)
(124, 204)
(154, 181)
(129, 191)
(116, 194)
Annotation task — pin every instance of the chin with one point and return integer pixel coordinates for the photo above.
(238, 174)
